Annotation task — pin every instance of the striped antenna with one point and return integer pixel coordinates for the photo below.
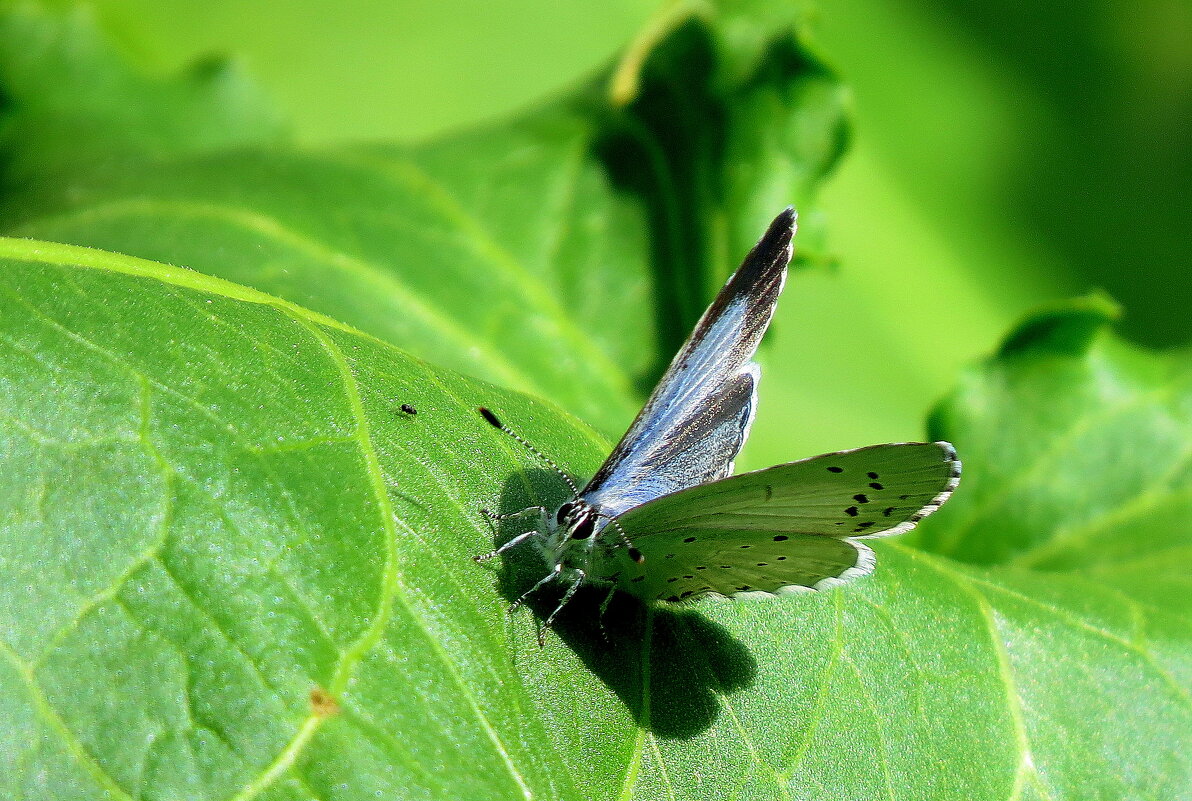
(495, 422)
(634, 553)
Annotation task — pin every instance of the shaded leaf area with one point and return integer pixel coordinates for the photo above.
(565, 252)
(235, 568)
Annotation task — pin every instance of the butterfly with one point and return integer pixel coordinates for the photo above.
(665, 520)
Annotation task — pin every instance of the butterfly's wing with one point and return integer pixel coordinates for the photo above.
(698, 417)
(790, 526)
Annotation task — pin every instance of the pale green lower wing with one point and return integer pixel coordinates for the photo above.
(789, 526)
(738, 563)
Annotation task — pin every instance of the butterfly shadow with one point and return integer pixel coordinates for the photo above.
(668, 664)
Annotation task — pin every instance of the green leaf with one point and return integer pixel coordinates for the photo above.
(1084, 450)
(71, 102)
(565, 252)
(234, 568)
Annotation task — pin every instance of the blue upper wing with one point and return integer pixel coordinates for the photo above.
(698, 417)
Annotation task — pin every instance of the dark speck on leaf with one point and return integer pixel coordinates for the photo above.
(851, 511)
(322, 703)
(872, 474)
(689, 539)
(780, 537)
(835, 469)
(860, 498)
(876, 485)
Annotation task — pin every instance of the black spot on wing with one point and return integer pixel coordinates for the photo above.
(835, 469)
(851, 511)
(872, 475)
(860, 497)
(876, 485)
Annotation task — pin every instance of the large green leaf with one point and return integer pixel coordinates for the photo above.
(234, 568)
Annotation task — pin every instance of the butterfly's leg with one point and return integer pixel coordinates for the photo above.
(494, 518)
(550, 619)
(497, 517)
(518, 540)
(551, 576)
(608, 599)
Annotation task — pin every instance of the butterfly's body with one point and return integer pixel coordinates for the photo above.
(664, 519)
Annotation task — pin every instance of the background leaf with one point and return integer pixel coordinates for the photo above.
(555, 219)
(62, 78)
(1083, 451)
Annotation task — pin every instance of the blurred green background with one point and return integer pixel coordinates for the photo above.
(1005, 154)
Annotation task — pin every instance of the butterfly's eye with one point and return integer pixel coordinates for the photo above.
(584, 527)
(564, 512)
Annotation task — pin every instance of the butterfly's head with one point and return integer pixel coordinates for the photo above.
(573, 530)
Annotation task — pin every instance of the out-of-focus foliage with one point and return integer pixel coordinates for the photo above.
(1008, 153)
